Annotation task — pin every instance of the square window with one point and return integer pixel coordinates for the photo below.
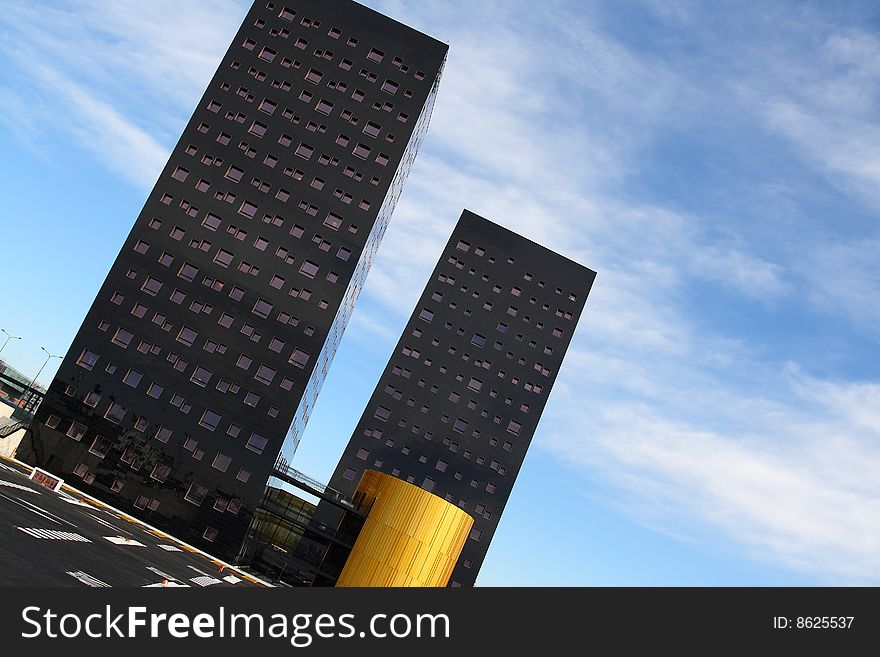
(151, 286)
(299, 358)
(188, 272)
(155, 390)
(115, 413)
(121, 338)
(223, 258)
(187, 336)
(305, 151)
(87, 359)
(195, 494)
(309, 269)
(265, 374)
(256, 443)
(201, 376)
(248, 209)
(267, 54)
(268, 106)
(76, 431)
(132, 378)
(262, 308)
(234, 173)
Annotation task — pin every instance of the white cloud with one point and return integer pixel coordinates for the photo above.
(847, 147)
(698, 436)
(788, 491)
(101, 129)
(549, 130)
(846, 281)
(122, 79)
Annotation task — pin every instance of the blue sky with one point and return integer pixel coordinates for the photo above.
(717, 420)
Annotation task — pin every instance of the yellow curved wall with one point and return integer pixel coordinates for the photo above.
(410, 537)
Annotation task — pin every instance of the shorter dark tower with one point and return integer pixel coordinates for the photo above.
(459, 401)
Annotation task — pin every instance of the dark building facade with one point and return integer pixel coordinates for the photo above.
(460, 399)
(204, 351)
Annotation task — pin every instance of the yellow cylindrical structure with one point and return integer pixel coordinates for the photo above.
(410, 538)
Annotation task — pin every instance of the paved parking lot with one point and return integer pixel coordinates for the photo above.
(63, 539)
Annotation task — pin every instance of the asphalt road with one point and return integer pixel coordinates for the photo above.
(62, 539)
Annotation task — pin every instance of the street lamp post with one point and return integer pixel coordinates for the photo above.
(8, 338)
(32, 390)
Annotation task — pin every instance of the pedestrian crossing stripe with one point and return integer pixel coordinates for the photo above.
(53, 534)
(87, 579)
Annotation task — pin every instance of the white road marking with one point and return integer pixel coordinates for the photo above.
(105, 523)
(41, 533)
(167, 584)
(232, 579)
(73, 500)
(121, 540)
(161, 574)
(204, 581)
(21, 504)
(170, 548)
(58, 519)
(53, 534)
(32, 531)
(18, 486)
(86, 579)
(200, 572)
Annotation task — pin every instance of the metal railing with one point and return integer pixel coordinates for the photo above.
(9, 426)
(284, 471)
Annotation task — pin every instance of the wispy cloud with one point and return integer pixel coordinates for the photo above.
(698, 431)
(678, 157)
(102, 129)
(791, 485)
(121, 83)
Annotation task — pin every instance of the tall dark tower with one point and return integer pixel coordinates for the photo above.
(460, 399)
(204, 351)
